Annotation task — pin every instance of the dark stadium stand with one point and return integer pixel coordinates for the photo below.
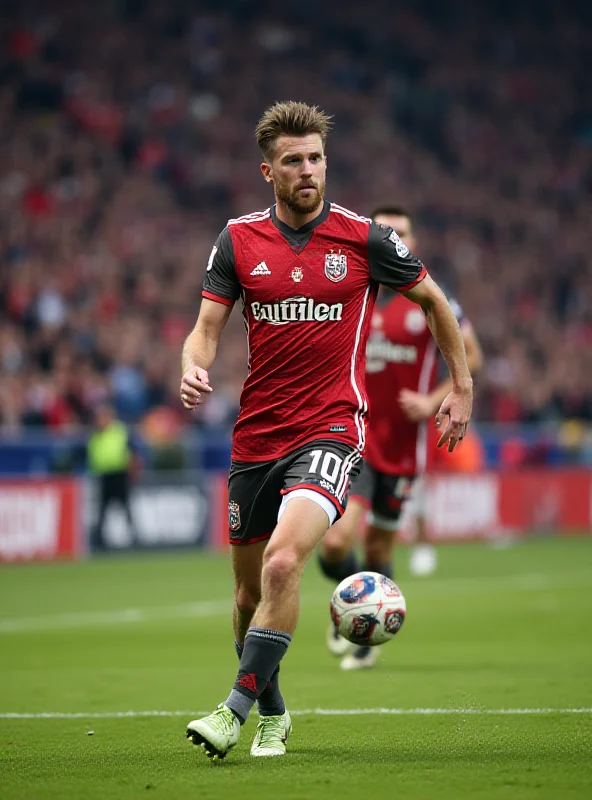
(126, 142)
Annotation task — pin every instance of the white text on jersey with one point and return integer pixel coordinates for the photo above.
(296, 309)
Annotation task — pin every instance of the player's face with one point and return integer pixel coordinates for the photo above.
(297, 172)
(401, 226)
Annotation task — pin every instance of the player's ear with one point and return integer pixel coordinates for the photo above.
(266, 171)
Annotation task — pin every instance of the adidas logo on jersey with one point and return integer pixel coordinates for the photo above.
(261, 269)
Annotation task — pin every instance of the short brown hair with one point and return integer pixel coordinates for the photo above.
(290, 119)
(392, 211)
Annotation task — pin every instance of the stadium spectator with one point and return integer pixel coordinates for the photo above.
(122, 153)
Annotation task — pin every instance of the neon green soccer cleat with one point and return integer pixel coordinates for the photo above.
(271, 735)
(217, 733)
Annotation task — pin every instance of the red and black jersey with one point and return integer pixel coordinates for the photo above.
(308, 296)
(401, 354)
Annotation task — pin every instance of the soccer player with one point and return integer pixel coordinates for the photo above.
(403, 393)
(307, 273)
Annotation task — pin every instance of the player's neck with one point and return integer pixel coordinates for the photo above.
(292, 218)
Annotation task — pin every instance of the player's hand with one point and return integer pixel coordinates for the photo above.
(415, 406)
(194, 384)
(457, 408)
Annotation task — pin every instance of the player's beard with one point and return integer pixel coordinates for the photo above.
(294, 200)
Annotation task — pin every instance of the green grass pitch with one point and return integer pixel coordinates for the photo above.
(494, 630)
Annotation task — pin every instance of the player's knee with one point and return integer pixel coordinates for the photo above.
(280, 565)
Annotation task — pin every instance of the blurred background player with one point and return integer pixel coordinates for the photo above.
(418, 407)
(402, 368)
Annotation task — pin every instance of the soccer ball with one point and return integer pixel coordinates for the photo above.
(368, 609)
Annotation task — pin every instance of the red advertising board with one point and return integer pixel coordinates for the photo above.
(490, 505)
(546, 500)
(40, 520)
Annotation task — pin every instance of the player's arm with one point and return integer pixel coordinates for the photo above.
(394, 266)
(419, 406)
(220, 290)
(458, 403)
(199, 351)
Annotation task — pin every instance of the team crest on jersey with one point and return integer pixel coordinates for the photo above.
(297, 274)
(415, 321)
(234, 520)
(335, 266)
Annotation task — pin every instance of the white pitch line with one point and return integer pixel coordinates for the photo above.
(318, 712)
(345, 712)
(84, 619)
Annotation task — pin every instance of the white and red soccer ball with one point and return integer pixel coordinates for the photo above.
(368, 609)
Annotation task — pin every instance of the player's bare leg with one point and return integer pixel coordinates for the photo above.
(247, 563)
(299, 530)
(337, 559)
(379, 543)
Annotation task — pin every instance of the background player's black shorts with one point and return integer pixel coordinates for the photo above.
(256, 489)
(383, 494)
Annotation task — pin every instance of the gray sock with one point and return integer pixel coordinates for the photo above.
(262, 652)
(270, 702)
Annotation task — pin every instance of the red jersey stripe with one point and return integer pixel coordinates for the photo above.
(216, 298)
(419, 279)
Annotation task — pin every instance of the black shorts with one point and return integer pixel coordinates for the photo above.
(256, 489)
(383, 494)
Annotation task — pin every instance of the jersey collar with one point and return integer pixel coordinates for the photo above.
(301, 236)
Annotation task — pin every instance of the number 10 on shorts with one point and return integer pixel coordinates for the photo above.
(325, 464)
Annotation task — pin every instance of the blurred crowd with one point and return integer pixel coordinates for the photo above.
(126, 142)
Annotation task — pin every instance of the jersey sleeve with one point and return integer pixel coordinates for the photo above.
(391, 263)
(221, 281)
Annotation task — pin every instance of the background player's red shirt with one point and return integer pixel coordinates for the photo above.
(401, 354)
(308, 297)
